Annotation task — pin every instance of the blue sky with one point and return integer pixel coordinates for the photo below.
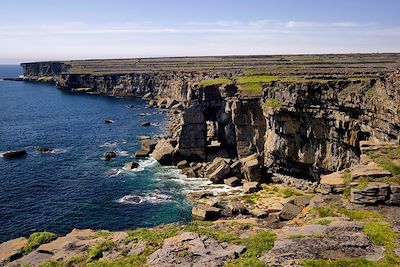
(79, 29)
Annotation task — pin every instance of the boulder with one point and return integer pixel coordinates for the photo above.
(236, 208)
(302, 201)
(145, 124)
(259, 213)
(251, 168)
(147, 96)
(220, 173)
(171, 102)
(206, 212)
(289, 212)
(108, 121)
(147, 147)
(374, 193)
(14, 154)
(109, 155)
(12, 250)
(332, 181)
(43, 149)
(164, 152)
(130, 166)
(152, 104)
(233, 181)
(182, 164)
(251, 187)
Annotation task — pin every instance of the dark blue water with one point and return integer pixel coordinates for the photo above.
(73, 187)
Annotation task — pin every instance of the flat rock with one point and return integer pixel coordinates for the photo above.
(12, 250)
(371, 170)
(190, 249)
(251, 187)
(335, 179)
(373, 193)
(339, 240)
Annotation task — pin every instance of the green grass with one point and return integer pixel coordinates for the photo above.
(251, 198)
(337, 263)
(346, 181)
(324, 212)
(363, 184)
(136, 261)
(273, 103)
(245, 262)
(96, 251)
(215, 82)
(37, 239)
(362, 215)
(252, 85)
(324, 222)
(207, 229)
(154, 236)
(103, 233)
(390, 166)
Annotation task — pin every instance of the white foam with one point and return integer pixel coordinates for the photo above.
(123, 153)
(109, 144)
(153, 197)
(58, 151)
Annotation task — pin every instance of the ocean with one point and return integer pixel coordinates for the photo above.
(72, 187)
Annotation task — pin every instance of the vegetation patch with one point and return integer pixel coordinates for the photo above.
(37, 239)
(324, 222)
(362, 215)
(346, 181)
(324, 212)
(96, 251)
(273, 103)
(154, 236)
(338, 263)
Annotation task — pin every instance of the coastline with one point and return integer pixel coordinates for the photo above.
(305, 160)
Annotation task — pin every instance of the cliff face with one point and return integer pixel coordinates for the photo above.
(41, 69)
(303, 129)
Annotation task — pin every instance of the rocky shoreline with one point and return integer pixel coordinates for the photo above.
(314, 168)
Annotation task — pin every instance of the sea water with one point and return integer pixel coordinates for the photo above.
(71, 187)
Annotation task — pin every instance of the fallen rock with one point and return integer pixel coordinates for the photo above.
(147, 147)
(190, 249)
(374, 193)
(145, 124)
(163, 152)
(233, 181)
(109, 155)
(205, 212)
(236, 207)
(259, 213)
(302, 201)
(220, 173)
(251, 187)
(252, 170)
(130, 166)
(332, 182)
(14, 154)
(12, 250)
(289, 212)
(182, 164)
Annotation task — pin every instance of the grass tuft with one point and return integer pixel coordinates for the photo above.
(37, 239)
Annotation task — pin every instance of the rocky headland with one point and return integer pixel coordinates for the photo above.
(309, 145)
